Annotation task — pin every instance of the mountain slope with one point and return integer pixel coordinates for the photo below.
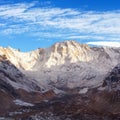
(95, 104)
(10, 74)
(16, 87)
(69, 64)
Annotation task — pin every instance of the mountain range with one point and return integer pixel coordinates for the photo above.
(84, 81)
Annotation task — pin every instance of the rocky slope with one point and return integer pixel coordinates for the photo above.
(16, 89)
(10, 74)
(95, 104)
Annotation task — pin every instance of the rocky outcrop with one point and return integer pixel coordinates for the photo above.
(112, 79)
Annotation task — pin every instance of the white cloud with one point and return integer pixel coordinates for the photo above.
(96, 37)
(13, 10)
(105, 43)
(88, 37)
(27, 18)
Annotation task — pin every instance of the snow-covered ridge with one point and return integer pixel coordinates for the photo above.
(59, 53)
(22, 103)
(65, 64)
(20, 59)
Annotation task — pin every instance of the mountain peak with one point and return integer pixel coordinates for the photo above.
(70, 42)
(67, 52)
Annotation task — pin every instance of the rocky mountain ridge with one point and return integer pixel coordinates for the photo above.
(60, 54)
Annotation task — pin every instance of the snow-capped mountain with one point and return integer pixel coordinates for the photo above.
(69, 64)
(66, 64)
(64, 52)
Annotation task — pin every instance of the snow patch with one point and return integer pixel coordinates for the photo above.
(57, 91)
(83, 91)
(22, 103)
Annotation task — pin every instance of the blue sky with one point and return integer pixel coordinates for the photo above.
(28, 25)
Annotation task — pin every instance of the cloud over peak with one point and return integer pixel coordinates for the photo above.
(105, 43)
